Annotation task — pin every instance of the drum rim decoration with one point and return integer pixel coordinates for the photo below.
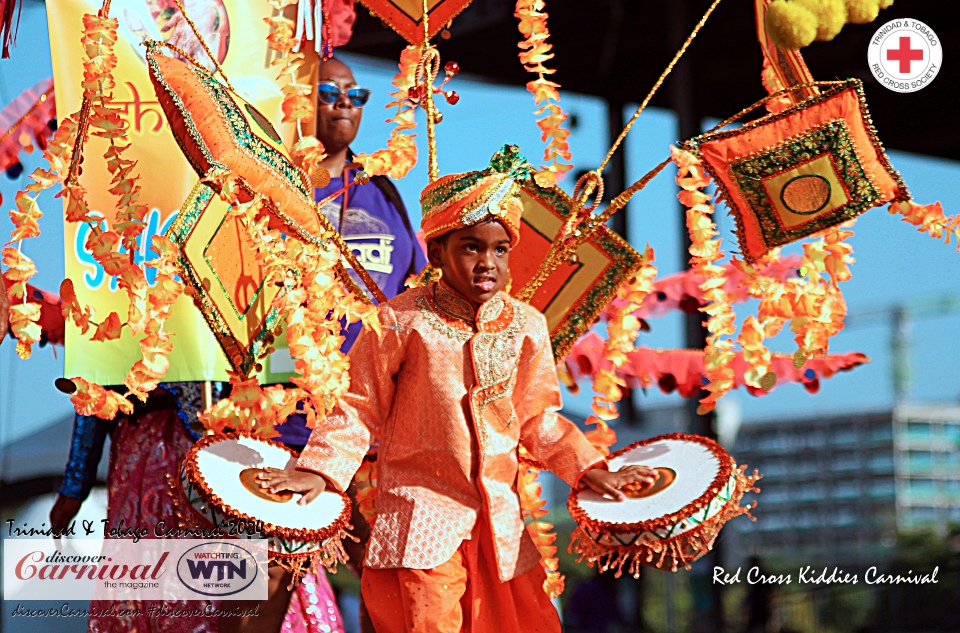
(833, 91)
(673, 549)
(336, 529)
(727, 467)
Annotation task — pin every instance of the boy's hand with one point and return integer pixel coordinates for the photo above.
(608, 483)
(310, 484)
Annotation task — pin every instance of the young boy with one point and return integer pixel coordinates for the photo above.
(461, 376)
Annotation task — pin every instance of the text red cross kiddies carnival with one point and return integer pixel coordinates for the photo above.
(905, 54)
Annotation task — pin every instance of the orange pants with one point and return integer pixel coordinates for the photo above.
(463, 594)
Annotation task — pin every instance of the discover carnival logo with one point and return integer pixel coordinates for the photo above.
(905, 55)
(128, 569)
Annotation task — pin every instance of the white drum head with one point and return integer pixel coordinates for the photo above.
(695, 465)
(220, 464)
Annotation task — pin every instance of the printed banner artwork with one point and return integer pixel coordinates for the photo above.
(236, 34)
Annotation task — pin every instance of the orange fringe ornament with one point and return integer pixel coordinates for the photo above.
(297, 106)
(534, 51)
(400, 156)
(533, 510)
(929, 219)
(705, 253)
(148, 309)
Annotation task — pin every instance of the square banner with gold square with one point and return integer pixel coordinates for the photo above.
(221, 272)
(797, 172)
(573, 297)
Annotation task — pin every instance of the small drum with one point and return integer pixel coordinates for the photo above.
(675, 522)
(218, 478)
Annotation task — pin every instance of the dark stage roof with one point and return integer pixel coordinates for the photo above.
(616, 49)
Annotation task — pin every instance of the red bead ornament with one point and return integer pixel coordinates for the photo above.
(451, 68)
(452, 97)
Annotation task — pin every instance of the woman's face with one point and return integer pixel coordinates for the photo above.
(339, 122)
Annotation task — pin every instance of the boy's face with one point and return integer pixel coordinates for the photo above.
(473, 260)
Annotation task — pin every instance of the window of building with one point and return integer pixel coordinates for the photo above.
(952, 432)
(845, 461)
(807, 519)
(815, 439)
(922, 515)
(809, 490)
(845, 435)
(773, 442)
(881, 433)
(920, 459)
(919, 429)
(843, 516)
(923, 487)
(845, 488)
(881, 462)
(882, 488)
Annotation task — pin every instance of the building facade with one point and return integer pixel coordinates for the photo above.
(839, 488)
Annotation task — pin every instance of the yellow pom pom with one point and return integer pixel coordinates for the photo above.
(862, 11)
(790, 25)
(885, 4)
(831, 15)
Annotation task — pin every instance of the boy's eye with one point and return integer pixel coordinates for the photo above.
(502, 250)
(470, 247)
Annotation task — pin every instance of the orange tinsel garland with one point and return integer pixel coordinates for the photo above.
(148, 309)
(929, 219)
(297, 106)
(622, 330)
(535, 50)
(532, 507)
(24, 316)
(705, 253)
(401, 153)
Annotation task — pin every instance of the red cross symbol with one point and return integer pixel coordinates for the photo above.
(905, 54)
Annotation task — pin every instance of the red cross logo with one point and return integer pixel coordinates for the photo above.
(905, 54)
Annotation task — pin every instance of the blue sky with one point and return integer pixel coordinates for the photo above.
(895, 264)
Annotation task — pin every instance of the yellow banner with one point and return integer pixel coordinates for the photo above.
(235, 33)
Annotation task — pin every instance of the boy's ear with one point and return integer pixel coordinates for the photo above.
(435, 252)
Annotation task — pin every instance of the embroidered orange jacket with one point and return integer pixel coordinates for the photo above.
(451, 391)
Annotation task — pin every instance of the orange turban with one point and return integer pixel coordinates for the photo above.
(461, 200)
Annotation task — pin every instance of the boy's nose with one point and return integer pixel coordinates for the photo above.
(486, 261)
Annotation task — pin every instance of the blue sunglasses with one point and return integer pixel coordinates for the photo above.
(329, 93)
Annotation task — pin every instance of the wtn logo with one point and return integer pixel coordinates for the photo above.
(225, 569)
(221, 569)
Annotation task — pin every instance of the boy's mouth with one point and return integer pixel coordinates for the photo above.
(485, 283)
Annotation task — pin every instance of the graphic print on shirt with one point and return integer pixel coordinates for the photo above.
(368, 237)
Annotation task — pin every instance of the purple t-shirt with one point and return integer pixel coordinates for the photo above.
(375, 231)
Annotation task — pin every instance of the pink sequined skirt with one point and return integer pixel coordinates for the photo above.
(146, 453)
